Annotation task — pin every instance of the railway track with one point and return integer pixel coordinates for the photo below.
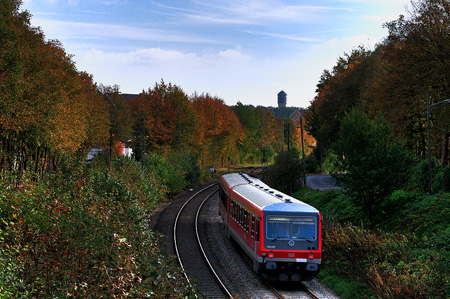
(284, 294)
(225, 257)
(191, 254)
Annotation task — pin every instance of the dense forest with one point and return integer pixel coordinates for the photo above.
(405, 72)
(49, 110)
(73, 229)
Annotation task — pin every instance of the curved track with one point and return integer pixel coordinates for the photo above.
(224, 255)
(191, 254)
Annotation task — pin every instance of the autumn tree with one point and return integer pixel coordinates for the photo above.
(168, 116)
(338, 91)
(412, 67)
(45, 113)
(98, 120)
(263, 133)
(218, 131)
(249, 147)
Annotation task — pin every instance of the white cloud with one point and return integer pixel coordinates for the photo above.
(253, 12)
(138, 69)
(79, 30)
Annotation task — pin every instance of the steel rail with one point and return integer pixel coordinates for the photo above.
(281, 296)
(197, 216)
(175, 232)
(310, 293)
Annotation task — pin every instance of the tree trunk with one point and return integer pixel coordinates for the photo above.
(444, 157)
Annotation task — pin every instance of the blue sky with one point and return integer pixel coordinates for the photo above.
(238, 50)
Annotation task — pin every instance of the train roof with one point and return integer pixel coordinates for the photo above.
(263, 196)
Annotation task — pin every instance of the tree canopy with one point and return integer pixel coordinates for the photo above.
(373, 163)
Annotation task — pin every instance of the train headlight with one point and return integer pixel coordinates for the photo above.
(271, 255)
(311, 257)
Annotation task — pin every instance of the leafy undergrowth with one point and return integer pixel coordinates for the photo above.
(407, 256)
(84, 234)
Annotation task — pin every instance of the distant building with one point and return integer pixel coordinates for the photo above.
(282, 99)
(296, 115)
(128, 97)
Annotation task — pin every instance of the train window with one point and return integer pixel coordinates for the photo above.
(257, 230)
(246, 221)
(232, 209)
(303, 228)
(241, 214)
(291, 228)
(253, 226)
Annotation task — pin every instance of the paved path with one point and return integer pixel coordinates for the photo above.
(321, 182)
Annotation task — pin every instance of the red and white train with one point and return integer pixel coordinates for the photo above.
(280, 234)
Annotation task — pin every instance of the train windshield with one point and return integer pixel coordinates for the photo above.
(291, 228)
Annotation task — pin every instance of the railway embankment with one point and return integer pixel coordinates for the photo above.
(406, 254)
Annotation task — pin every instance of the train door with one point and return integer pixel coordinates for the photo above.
(256, 233)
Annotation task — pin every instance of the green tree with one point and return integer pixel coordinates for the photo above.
(373, 163)
(338, 91)
(263, 132)
(286, 174)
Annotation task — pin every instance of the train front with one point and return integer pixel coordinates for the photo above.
(292, 243)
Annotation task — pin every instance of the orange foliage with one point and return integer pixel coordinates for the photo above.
(215, 119)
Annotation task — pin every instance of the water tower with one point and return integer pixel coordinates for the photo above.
(282, 99)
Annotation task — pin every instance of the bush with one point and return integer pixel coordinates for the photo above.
(84, 235)
(190, 167)
(441, 181)
(421, 174)
(287, 173)
(408, 258)
(389, 263)
(176, 173)
(373, 163)
(11, 284)
(335, 204)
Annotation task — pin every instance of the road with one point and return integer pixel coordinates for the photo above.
(321, 182)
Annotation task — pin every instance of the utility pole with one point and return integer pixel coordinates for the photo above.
(262, 148)
(179, 132)
(303, 152)
(214, 150)
(143, 132)
(430, 183)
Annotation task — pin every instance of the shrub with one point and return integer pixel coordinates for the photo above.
(390, 263)
(11, 284)
(287, 173)
(373, 163)
(421, 174)
(190, 167)
(82, 236)
(336, 205)
(175, 173)
(441, 181)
